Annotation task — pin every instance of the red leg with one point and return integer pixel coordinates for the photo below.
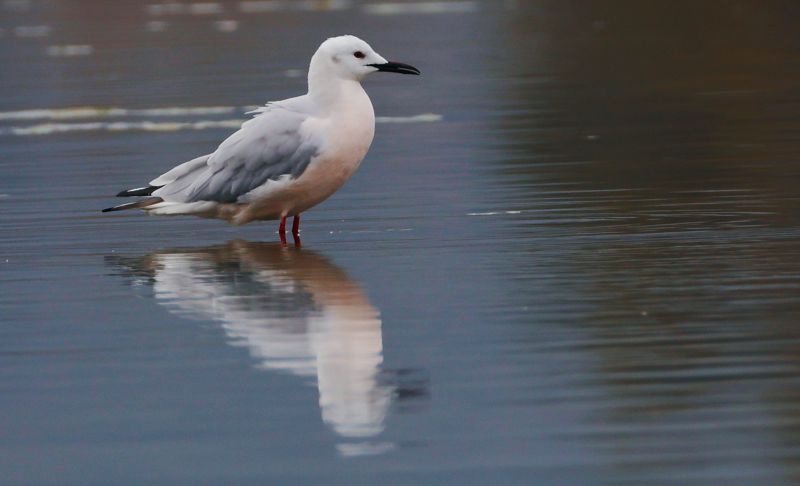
(296, 230)
(282, 230)
(296, 225)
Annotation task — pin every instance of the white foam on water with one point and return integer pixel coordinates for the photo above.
(261, 6)
(57, 120)
(183, 111)
(69, 50)
(323, 5)
(83, 112)
(80, 112)
(422, 118)
(168, 8)
(168, 126)
(364, 449)
(226, 25)
(177, 8)
(403, 8)
(156, 25)
(146, 126)
(494, 213)
(205, 8)
(294, 73)
(268, 6)
(31, 31)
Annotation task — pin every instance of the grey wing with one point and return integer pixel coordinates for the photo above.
(180, 171)
(271, 146)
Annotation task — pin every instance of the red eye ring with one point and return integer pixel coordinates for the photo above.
(359, 55)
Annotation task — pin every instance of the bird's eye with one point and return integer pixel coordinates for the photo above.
(359, 55)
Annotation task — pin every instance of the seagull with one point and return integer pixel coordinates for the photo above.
(292, 155)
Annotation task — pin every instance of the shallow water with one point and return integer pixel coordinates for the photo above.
(572, 254)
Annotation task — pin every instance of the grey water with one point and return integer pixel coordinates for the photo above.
(571, 256)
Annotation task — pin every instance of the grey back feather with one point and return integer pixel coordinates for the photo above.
(271, 145)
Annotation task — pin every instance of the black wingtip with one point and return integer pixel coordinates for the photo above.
(117, 208)
(139, 191)
(133, 205)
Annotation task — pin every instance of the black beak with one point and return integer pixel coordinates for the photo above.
(396, 67)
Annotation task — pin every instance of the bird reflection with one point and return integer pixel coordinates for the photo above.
(295, 312)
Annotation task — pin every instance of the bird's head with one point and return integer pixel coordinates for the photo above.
(348, 57)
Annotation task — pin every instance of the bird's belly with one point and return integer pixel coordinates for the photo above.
(321, 179)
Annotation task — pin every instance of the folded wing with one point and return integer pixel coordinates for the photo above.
(273, 145)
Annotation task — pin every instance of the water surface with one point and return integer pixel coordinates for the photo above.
(572, 254)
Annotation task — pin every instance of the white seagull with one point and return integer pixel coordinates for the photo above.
(290, 157)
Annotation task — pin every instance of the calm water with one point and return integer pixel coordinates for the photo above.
(571, 256)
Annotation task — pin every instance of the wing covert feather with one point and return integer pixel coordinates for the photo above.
(271, 145)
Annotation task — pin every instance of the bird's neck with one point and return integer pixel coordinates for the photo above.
(335, 93)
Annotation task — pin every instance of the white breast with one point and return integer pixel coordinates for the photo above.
(348, 128)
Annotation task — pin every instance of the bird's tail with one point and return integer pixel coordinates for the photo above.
(135, 205)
